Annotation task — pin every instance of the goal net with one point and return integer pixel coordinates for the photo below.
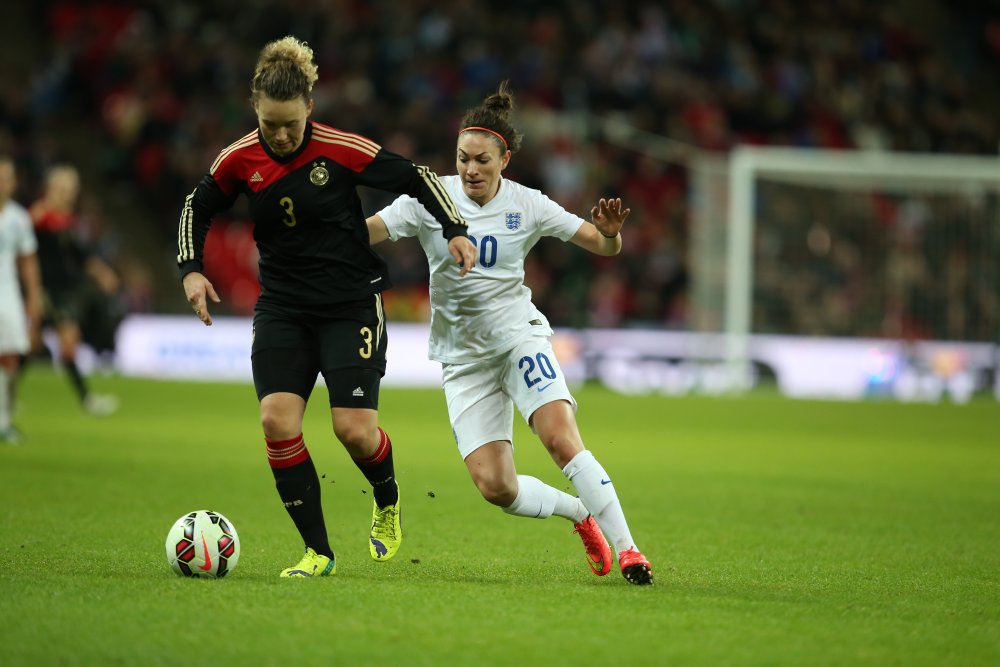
(851, 244)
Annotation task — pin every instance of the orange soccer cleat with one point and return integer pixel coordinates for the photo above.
(598, 552)
(635, 567)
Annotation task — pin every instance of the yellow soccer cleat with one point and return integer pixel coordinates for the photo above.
(387, 534)
(311, 565)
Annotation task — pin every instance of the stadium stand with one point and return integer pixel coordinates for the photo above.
(162, 84)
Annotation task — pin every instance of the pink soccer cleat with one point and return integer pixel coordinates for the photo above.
(598, 552)
(635, 567)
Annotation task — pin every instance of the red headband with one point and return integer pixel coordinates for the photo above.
(486, 129)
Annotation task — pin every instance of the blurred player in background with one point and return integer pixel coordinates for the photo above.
(75, 280)
(320, 307)
(498, 354)
(19, 317)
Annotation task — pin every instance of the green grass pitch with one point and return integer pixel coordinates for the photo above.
(781, 533)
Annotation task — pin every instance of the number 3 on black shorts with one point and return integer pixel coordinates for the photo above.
(366, 350)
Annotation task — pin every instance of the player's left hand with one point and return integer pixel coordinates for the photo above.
(464, 252)
(608, 216)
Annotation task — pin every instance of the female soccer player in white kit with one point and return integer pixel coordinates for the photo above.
(18, 271)
(493, 343)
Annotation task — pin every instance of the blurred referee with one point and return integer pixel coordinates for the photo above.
(320, 307)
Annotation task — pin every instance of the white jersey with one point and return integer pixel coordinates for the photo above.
(489, 311)
(17, 238)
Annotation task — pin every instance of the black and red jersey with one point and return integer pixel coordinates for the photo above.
(308, 222)
(62, 256)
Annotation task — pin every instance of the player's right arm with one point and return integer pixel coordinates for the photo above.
(30, 276)
(200, 207)
(197, 290)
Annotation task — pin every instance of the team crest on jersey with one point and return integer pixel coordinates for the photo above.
(512, 219)
(319, 175)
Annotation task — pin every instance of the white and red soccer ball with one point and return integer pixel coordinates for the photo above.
(203, 544)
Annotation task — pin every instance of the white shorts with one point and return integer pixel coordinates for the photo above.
(481, 395)
(13, 329)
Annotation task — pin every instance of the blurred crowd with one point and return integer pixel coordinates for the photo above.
(907, 266)
(166, 83)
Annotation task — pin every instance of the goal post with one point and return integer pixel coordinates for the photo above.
(818, 252)
(817, 182)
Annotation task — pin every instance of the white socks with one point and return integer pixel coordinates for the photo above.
(598, 495)
(538, 500)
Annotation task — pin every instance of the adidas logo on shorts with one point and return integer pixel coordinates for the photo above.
(358, 392)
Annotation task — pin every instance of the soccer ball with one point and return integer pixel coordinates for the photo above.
(203, 544)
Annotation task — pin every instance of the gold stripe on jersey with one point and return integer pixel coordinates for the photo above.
(431, 179)
(325, 129)
(380, 313)
(248, 140)
(185, 231)
(339, 142)
(347, 140)
(330, 133)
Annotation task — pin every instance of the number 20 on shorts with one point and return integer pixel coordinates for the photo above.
(543, 365)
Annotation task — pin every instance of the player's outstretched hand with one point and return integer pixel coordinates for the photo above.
(608, 216)
(464, 252)
(197, 288)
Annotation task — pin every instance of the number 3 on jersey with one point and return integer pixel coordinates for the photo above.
(487, 250)
(289, 206)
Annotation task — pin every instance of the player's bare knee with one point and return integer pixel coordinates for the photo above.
(562, 446)
(357, 437)
(497, 490)
(278, 425)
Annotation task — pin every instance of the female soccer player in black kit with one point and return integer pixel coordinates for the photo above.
(320, 307)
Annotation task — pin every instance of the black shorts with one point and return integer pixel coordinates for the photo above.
(345, 342)
(67, 305)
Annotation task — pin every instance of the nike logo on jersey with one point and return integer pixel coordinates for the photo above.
(543, 388)
(256, 178)
(605, 481)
